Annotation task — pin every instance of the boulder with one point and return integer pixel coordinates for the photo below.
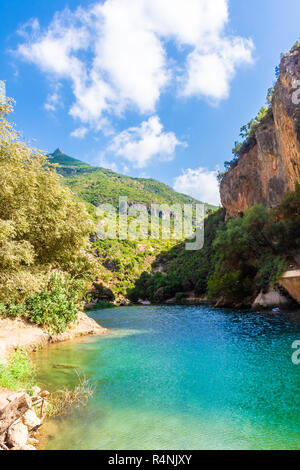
(144, 302)
(17, 435)
(36, 391)
(31, 420)
(3, 402)
(270, 299)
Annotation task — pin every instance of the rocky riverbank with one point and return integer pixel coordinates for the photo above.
(21, 416)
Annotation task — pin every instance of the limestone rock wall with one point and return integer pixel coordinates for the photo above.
(271, 166)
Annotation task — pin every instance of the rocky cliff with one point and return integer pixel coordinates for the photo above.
(270, 166)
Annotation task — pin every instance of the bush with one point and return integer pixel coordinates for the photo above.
(18, 373)
(271, 272)
(57, 304)
(12, 310)
(60, 402)
(229, 285)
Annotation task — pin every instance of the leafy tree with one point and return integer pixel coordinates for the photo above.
(42, 225)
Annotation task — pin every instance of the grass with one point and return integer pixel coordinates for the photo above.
(18, 373)
(60, 402)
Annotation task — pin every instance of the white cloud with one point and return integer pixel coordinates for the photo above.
(54, 100)
(105, 163)
(209, 73)
(79, 133)
(114, 53)
(201, 183)
(139, 145)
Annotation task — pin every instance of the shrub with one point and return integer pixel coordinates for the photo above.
(12, 310)
(228, 285)
(61, 401)
(57, 304)
(271, 272)
(18, 373)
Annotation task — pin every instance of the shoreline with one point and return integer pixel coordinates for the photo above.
(19, 333)
(20, 423)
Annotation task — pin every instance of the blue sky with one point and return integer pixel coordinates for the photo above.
(151, 88)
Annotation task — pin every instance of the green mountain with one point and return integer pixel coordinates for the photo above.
(121, 262)
(98, 185)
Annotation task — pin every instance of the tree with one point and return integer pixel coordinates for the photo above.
(41, 222)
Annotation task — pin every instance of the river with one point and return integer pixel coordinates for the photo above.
(177, 377)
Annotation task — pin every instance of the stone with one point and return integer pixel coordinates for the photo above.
(269, 165)
(17, 435)
(32, 441)
(3, 403)
(31, 420)
(36, 391)
(269, 300)
(15, 396)
(13, 411)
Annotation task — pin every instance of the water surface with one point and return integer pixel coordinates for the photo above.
(180, 378)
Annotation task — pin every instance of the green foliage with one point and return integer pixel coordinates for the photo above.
(251, 252)
(270, 95)
(229, 284)
(41, 222)
(270, 272)
(43, 227)
(57, 304)
(186, 270)
(99, 185)
(240, 257)
(122, 262)
(18, 373)
(247, 131)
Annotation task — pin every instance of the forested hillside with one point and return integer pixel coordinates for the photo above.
(99, 185)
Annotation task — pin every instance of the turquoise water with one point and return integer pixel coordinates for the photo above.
(180, 378)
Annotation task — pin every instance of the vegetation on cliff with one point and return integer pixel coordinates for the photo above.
(120, 262)
(241, 257)
(247, 133)
(266, 163)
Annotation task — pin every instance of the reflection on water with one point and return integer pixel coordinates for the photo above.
(180, 378)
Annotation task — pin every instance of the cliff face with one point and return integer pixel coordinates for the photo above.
(271, 166)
